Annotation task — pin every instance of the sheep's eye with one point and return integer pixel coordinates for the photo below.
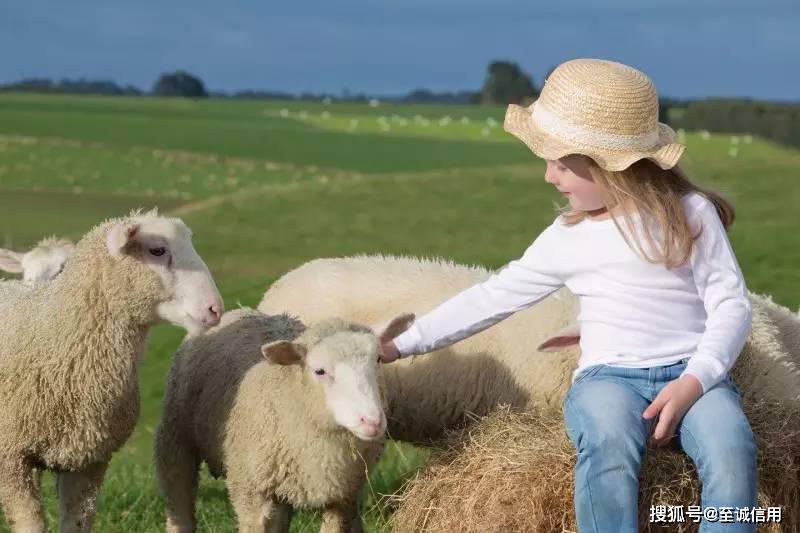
(158, 252)
(319, 371)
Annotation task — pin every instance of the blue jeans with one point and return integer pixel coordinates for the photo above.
(603, 414)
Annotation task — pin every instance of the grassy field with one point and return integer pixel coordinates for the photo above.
(266, 186)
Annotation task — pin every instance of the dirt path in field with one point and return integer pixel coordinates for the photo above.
(208, 203)
(314, 175)
(352, 178)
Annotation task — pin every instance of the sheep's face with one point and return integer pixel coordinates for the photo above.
(44, 263)
(190, 298)
(345, 366)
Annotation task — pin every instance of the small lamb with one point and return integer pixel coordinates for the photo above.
(288, 414)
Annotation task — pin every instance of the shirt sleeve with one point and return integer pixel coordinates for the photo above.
(721, 286)
(519, 285)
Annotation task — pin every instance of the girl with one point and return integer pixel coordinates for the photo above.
(664, 310)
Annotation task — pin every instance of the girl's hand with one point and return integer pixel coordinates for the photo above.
(672, 403)
(389, 352)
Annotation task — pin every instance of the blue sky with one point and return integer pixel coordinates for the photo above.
(691, 48)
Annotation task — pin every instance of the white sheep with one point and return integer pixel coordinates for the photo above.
(41, 263)
(286, 414)
(430, 393)
(69, 356)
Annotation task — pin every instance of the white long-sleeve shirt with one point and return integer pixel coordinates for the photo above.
(632, 313)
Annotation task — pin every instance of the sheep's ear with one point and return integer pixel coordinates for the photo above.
(396, 327)
(120, 237)
(10, 261)
(284, 352)
(564, 338)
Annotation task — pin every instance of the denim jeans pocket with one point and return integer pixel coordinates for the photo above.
(582, 375)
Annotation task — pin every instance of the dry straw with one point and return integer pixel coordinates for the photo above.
(602, 109)
(513, 471)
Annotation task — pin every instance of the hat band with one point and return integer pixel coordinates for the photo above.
(555, 125)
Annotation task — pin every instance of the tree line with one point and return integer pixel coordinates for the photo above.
(505, 83)
(779, 122)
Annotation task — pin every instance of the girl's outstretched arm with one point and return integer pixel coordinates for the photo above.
(519, 285)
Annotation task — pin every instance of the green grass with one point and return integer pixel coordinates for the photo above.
(29, 216)
(243, 109)
(51, 165)
(130, 501)
(282, 212)
(238, 129)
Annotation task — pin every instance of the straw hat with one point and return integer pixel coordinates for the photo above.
(602, 109)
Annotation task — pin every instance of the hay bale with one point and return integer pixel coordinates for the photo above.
(513, 471)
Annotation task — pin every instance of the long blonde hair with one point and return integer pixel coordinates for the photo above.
(654, 193)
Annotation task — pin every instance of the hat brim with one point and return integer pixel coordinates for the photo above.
(518, 122)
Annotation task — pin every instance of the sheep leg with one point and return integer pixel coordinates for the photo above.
(19, 496)
(257, 512)
(77, 497)
(280, 518)
(177, 472)
(341, 518)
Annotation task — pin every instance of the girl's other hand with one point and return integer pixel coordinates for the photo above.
(389, 352)
(672, 403)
